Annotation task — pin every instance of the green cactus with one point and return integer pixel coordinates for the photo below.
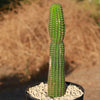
(56, 78)
(56, 23)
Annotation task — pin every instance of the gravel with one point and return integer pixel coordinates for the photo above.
(40, 92)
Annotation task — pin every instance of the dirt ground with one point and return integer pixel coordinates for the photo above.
(89, 80)
(84, 77)
(24, 49)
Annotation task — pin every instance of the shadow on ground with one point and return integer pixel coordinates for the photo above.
(13, 89)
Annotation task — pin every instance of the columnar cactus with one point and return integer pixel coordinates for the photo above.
(56, 78)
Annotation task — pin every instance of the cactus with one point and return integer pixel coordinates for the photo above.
(56, 23)
(56, 78)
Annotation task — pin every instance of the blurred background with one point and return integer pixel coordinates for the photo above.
(24, 45)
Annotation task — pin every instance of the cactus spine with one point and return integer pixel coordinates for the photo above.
(56, 79)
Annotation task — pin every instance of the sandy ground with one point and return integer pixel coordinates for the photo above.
(89, 80)
(85, 77)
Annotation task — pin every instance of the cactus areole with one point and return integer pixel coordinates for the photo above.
(56, 77)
